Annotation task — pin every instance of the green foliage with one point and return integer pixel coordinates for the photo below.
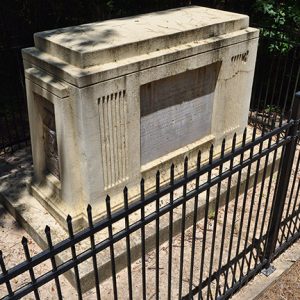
(273, 109)
(280, 21)
(211, 214)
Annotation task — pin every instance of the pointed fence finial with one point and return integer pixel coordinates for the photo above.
(90, 215)
(244, 137)
(47, 229)
(172, 174)
(199, 160)
(157, 181)
(233, 142)
(108, 208)
(125, 196)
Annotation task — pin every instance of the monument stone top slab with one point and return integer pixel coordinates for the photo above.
(114, 40)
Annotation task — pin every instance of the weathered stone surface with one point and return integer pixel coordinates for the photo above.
(133, 95)
(176, 111)
(50, 142)
(114, 40)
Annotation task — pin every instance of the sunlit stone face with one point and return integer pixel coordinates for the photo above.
(131, 96)
(50, 142)
(176, 111)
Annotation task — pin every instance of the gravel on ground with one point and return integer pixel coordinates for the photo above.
(286, 287)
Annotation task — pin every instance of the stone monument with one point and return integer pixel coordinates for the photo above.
(114, 101)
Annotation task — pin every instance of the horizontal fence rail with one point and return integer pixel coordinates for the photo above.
(226, 205)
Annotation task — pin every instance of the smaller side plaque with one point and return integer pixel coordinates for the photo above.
(50, 142)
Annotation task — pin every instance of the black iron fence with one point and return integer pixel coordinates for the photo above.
(236, 212)
(276, 77)
(14, 128)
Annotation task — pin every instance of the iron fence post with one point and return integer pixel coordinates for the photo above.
(282, 187)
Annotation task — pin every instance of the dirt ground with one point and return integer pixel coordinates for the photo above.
(287, 287)
(11, 235)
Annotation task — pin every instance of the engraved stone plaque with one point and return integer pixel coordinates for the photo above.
(50, 142)
(176, 111)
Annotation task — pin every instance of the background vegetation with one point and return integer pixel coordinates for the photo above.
(20, 19)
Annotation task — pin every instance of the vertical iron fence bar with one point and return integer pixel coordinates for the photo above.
(16, 136)
(31, 272)
(194, 225)
(170, 234)
(215, 216)
(296, 83)
(74, 257)
(111, 248)
(16, 120)
(53, 262)
(259, 256)
(282, 80)
(266, 270)
(259, 204)
(9, 137)
(22, 99)
(277, 183)
(265, 116)
(4, 272)
(125, 194)
(259, 96)
(218, 290)
(298, 72)
(2, 143)
(183, 213)
(294, 210)
(256, 82)
(259, 100)
(92, 241)
(226, 212)
(157, 236)
(237, 193)
(283, 182)
(286, 134)
(290, 200)
(253, 93)
(142, 188)
(293, 221)
(275, 81)
(243, 210)
(297, 227)
(289, 81)
(248, 226)
(205, 226)
(268, 82)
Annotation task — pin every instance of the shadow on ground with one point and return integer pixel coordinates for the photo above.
(15, 171)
